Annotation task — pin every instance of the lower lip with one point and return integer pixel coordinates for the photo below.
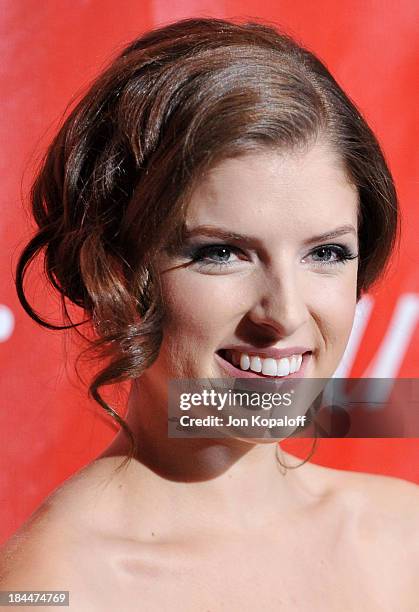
(237, 373)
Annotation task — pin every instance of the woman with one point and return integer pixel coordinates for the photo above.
(217, 206)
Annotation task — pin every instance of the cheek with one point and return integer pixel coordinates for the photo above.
(198, 308)
(335, 307)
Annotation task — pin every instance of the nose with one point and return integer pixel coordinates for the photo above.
(280, 303)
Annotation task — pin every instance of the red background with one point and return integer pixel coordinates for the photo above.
(50, 51)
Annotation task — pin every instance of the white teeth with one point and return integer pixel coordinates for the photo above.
(256, 364)
(244, 361)
(283, 367)
(266, 365)
(269, 367)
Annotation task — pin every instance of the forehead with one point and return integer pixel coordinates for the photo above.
(275, 192)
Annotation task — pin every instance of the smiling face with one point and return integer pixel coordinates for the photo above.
(255, 276)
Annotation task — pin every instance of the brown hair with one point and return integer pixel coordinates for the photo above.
(115, 182)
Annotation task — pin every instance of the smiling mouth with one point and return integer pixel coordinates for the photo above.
(255, 366)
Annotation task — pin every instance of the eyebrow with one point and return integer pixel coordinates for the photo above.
(218, 232)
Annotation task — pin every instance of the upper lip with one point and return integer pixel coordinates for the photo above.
(275, 353)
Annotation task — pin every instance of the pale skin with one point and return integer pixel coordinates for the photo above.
(213, 525)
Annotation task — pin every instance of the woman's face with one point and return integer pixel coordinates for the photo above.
(269, 270)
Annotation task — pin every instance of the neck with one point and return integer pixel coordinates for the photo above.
(224, 478)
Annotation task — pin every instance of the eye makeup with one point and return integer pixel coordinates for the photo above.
(220, 255)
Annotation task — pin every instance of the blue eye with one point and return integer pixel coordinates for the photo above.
(331, 254)
(214, 254)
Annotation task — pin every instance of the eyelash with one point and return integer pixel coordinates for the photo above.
(200, 255)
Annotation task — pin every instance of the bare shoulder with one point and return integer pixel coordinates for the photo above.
(388, 530)
(377, 528)
(385, 501)
(58, 547)
(377, 501)
(392, 514)
(382, 514)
